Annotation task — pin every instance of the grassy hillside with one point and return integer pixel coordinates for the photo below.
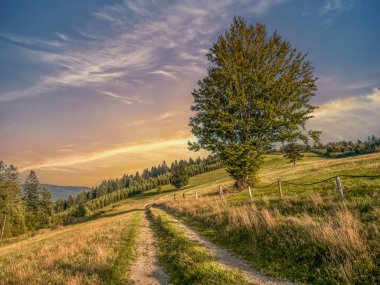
(308, 236)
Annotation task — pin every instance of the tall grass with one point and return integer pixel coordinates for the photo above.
(309, 240)
(98, 252)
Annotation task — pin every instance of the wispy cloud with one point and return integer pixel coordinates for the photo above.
(30, 43)
(164, 73)
(118, 97)
(137, 39)
(142, 147)
(336, 6)
(350, 117)
(63, 37)
(161, 117)
(332, 8)
(332, 87)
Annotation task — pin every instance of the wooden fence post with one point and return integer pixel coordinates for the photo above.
(340, 188)
(2, 231)
(183, 195)
(220, 191)
(250, 193)
(174, 196)
(196, 194)
(280, 187)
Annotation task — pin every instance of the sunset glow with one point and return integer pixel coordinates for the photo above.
(91, 90)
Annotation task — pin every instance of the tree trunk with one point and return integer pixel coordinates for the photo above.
(239, 184)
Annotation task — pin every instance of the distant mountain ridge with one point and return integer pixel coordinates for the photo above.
(63, 192)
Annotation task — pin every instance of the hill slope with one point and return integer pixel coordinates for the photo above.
(309, 236)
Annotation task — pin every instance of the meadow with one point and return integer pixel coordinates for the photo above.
(308, 236)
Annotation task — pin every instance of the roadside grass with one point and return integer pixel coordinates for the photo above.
(93, 253)
(309, 235)
(118, 273)
(333, 246)
(185, 260)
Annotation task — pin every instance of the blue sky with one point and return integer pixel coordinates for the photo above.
(94, 86)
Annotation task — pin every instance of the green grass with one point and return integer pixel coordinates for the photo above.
(185, 260)
(126, 254)
(313, 169)
(309, 236)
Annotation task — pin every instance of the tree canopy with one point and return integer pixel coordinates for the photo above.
(180, 176)
(25, 210)
(256, 93)
(293, 152)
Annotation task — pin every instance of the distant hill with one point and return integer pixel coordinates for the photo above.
(63, 192)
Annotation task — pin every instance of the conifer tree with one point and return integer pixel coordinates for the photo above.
(32, 191)
(38, 204)
(12, 207)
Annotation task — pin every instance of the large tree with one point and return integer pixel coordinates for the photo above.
(256, 93)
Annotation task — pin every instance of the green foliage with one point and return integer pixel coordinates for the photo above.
(179, 176)
(348, 148)
(39, 207)
(32, 190)
(80, 211)
(159, 189)
(293, 152)
(29, 209)
(315, 137)
(46, 209)
(12, 207)
(256, 93)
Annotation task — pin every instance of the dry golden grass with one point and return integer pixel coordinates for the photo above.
(79, 254)
(334, 235)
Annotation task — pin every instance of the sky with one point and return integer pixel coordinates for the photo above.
(90, 90)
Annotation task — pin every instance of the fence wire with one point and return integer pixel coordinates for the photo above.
(301, 184)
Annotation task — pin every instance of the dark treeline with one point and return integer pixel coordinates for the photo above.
(23, 207)
(348, 148)
(336, 149)
(113, 190)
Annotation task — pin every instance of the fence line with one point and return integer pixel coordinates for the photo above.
(308, 184)
(221, 188)
(266, 186)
